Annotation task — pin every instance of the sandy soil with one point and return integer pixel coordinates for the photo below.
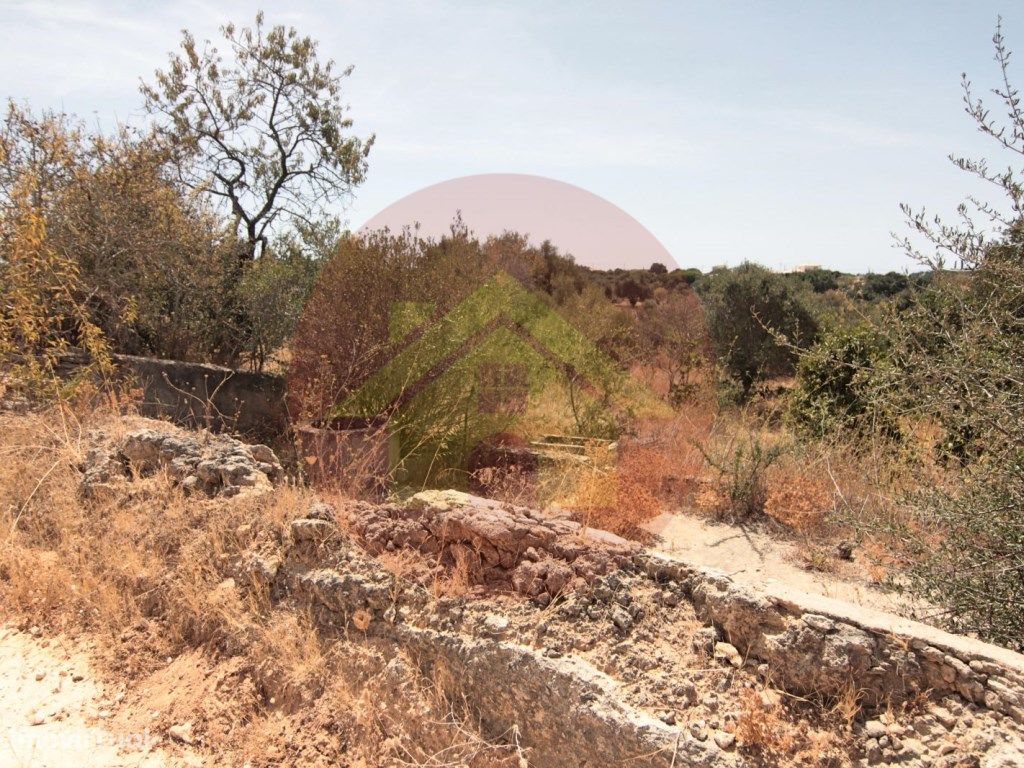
(755, 558)
(53, 712)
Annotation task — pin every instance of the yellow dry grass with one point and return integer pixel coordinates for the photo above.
(149, 574)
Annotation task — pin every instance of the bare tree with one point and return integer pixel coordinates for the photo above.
(265, 132)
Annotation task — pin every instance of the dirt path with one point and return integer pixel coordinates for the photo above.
(52, 712)
(755, 558)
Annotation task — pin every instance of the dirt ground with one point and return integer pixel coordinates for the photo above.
(55, 712)
(747, 555)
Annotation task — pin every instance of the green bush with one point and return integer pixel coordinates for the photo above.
(976, 572)
(836, 388)
(757, 322)
(956, 355)
(741, 467)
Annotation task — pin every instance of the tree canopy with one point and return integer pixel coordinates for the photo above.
(265, 132)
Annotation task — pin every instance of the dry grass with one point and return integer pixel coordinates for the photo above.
(657, 468)
(773, 732)
(156, 578)
(799, 496)
(839, 491)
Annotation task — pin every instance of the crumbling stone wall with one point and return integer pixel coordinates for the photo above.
(618, 656)
(821, 646)
(204, 463)
(501, 544)
(562, 710)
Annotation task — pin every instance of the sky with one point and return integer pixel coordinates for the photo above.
(785, 133)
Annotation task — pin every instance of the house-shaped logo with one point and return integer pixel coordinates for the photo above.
(502, 360)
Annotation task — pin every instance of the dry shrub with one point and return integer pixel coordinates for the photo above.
(150, 573)
(738, 489)
(614, 501)
(657, 467)
(870, 487)
(349, 458)
(771, 733)
(458, 579)
(513, 484)
(107, 561)
(291, 660)
(408, 565)
(798, 496)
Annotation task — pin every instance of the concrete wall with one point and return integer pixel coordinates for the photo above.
(210, 396)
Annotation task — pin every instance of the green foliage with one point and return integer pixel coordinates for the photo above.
(682, 277)
(835, 386)
(875, 287)
(274, 290)
(756, 322)
(741, 468)
(976, 570)
(819, 280)
(956, 352)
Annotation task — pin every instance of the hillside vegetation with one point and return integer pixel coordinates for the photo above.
(879, 417)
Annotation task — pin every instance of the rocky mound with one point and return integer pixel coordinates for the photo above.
(500, 545)
(621, 666)
(204, 463)
(580, 648)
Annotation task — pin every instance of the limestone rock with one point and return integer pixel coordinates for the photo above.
(536, 555)
(204, 463)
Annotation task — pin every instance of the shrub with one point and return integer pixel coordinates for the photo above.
(820, 280)
(756, 322)
(43, 311)
(835, 389)
(957, 351)
(977, 570)
(739, 491)
(797, 498)
(674, 342)
(875, 287)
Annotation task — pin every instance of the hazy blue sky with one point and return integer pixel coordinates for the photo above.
(783, 132)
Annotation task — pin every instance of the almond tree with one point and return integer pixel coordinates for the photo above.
(264, 131)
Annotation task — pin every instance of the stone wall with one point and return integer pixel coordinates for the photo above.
(817, 645)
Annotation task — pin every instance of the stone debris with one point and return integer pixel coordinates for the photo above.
(889, 659)
(611, 667)
(500, 544)
(728, 653)
(632, 653)
(216, 465)
(181, 732)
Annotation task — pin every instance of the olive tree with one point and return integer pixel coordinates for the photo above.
(956, 352)
(264, 131)
(757, 322)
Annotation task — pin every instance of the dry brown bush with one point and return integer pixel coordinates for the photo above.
(657, 468)
(775, 734)
(798, 495)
